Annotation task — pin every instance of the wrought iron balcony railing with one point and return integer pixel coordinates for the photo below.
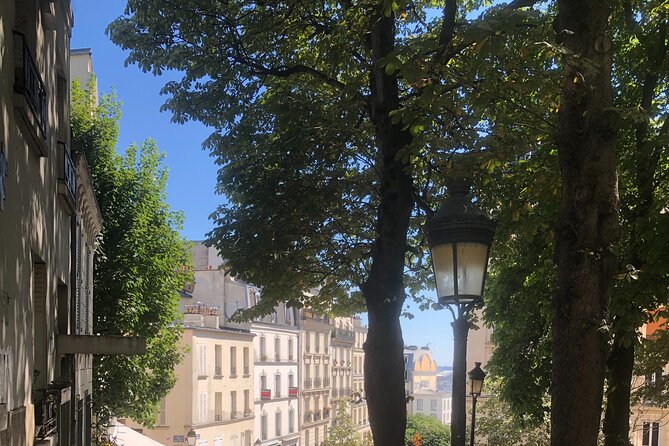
(28, 82)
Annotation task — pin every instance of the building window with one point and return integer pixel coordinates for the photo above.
(203, 360)
(277, 349)
(162, 419)
(277, 385)
(233, 362)
(247, 403)
(247, 370)
(233, 405)
(263, 381)
(218, 361)
(290, 349)
(263, 349)
(277, 424)
(291, 420)
(419, 404)
(433, 404)
(291, 378)
(218, 406)
(651, 434)
(263, 426)
(306, 438)
(203, 408)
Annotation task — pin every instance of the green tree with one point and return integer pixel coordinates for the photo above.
(431, 431)
(139, 265)
(523, 275)
(343, 432)
(335, 123)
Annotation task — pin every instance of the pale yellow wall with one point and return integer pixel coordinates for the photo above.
(182, 403)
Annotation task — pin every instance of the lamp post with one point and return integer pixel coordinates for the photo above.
(459, 237)
(476, 377)
(191, 436)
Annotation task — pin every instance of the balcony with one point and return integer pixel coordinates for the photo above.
(265, 394)
(233, 372)
(292, 392)
(318, 383)
(326, 412)
(341, 334)
(307, 383)
(67, 177)
(46, 420)
(32, 100)
(317, 415)
(248, 412)
(326, 382)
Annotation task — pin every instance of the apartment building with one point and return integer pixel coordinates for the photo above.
(315, 407)
(420, 380)
(276, 371)
(214, 393)
(49, 221)
(359, 405)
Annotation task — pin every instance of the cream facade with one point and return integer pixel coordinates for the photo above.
(359, 413)
(44, 388)
(420, 379)
(213, 393)
(276, 371)
(315, 407)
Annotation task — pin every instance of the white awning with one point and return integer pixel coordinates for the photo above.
(124, 436)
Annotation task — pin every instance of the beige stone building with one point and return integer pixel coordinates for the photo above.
(316, 381)
(49, 221)
(420, 380)
(276, 392)
(359, 413)
(213, 393)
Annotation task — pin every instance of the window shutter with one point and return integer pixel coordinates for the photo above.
(77, 283)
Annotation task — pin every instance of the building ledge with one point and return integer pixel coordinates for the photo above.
(100, 345)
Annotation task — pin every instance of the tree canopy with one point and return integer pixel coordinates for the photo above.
(429, 429)
(336, 123)
(140, 263)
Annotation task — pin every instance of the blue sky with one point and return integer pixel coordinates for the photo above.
(192, 173)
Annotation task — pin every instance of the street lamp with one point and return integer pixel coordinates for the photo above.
(191, 436)
(476, 377)
(459, 237)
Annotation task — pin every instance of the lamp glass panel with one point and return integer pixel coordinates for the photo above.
(442, 261)
(475, 386)
(472, 259)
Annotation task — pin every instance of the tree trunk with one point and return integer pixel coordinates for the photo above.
(587, 227)
(617, 417)
(384, 288)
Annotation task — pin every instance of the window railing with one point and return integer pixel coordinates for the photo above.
(218, 371)
(307, 383)
(28, 82)
(46, 420)
(233, 372)
(318, 382)
(246, 371)
(67, 175)
(265, 394)
(292, 391)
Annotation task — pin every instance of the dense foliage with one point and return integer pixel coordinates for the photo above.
(337, 122)
(139, 263)
(429, 429)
